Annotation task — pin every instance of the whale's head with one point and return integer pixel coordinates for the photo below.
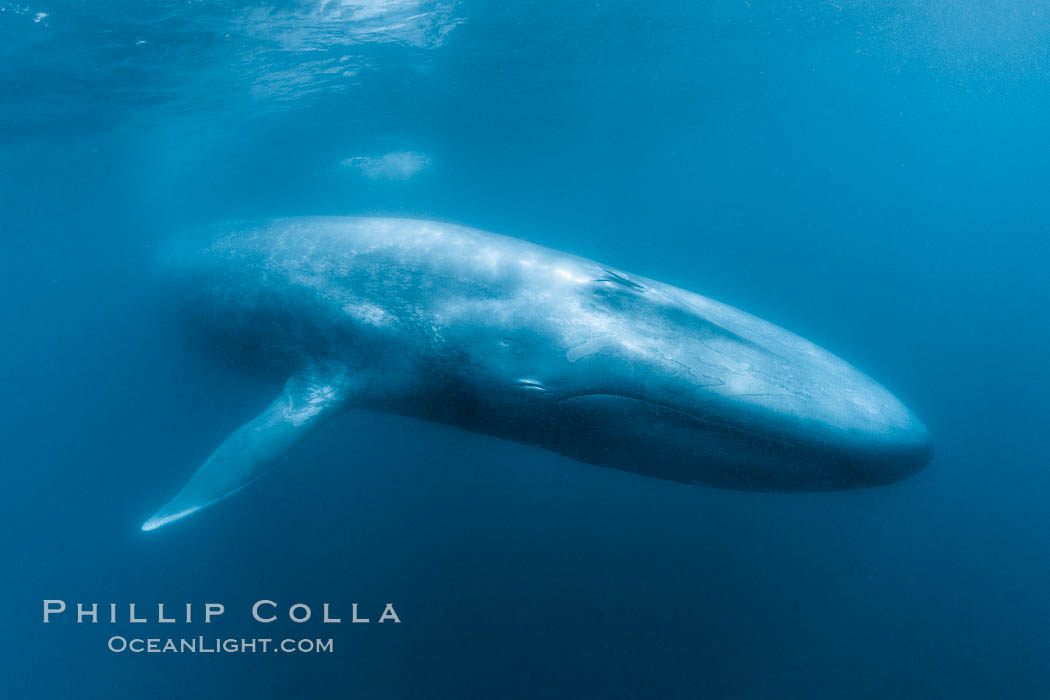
(753, 405)
(653, 379)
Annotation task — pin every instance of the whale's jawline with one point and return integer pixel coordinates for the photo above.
(701, 449)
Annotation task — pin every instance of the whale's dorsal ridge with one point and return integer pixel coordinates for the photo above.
(310, 397)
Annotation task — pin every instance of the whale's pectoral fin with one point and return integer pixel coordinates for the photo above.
(309, 399)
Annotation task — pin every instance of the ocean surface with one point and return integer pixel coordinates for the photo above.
(871, 175)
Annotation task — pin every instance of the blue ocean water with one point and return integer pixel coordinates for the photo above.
(870, 175)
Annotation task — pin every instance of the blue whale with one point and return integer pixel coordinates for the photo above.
(499, 336)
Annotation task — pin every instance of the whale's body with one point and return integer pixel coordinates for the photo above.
(499, 336)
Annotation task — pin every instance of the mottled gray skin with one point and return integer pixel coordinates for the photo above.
(499, 336)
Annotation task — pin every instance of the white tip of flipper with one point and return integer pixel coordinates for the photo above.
(162, 518)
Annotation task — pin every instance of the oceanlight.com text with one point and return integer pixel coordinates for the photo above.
(218, 645)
